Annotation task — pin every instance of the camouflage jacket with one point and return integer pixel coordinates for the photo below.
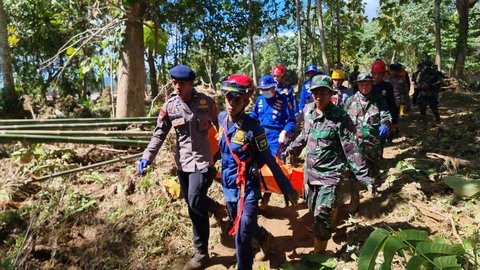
(367, 114)
(429, 80)
(331, 143)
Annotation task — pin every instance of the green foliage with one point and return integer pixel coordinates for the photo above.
(154, 39)
(462, 186)
(313, 262)
(414, 245)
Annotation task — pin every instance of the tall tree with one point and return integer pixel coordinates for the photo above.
(463, 7)
(438, 34)
(323, 43)
(250, 41)
(9, 95)
(298, 9)
(131, 70)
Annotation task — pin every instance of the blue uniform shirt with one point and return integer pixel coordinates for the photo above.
(274, 114)
(305, 95)
(287, 90)
(247, 140)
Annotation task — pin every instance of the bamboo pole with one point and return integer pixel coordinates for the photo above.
(72, 120)
(67, 139)
(84, 168)
(74, 125)
(110, 133)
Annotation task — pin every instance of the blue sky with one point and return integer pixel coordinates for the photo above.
(371, 8)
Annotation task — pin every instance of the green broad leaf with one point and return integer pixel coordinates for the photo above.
(438, 248)
(392, 245)
(149, 38)
(445, 262)
(404, 166)
(318, 261)
(415, 263)
(104, 44)
(70, 51)
(413, 236)
(287, 266)
(371, 248)
(462, 186)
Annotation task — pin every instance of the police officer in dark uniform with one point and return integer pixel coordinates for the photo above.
(191, 114)
(244, 149)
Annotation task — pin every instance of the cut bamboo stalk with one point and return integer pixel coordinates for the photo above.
(84, 168)
(75, 125)
(69, 139)
(112, 133)
(72, 120)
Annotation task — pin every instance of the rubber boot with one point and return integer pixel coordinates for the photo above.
(319, 246)
(402, 111)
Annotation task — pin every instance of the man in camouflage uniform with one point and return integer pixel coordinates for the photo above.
(429, 82)
(369, 113)
(329, 137)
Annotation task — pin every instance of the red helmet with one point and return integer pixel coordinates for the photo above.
(278, 70)
(378, 66)
(238, 85)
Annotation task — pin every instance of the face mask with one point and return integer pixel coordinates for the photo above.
(267, 94)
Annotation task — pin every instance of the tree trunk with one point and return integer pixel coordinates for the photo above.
(275, 32)
(131, 70)
(251, 44)
(463, 7)
(308, 31)
(438, 36)
(153, 73)
(8, 95)
(337, 32)
(323, 44)
(299, 44)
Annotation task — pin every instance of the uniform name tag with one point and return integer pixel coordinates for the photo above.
(239, 137)
(178, 122)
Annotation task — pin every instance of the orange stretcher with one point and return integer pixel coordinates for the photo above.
(294, 174)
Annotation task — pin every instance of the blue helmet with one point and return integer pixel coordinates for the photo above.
(311, 68)
(266, 82)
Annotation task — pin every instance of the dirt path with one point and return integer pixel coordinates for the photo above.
(292, 227)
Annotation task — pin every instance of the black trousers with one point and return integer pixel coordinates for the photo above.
(194, 187)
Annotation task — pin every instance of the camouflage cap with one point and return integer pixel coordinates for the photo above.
(366, 76)
(322, 81)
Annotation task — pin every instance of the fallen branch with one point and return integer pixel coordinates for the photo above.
(453, 160)
(454, 230)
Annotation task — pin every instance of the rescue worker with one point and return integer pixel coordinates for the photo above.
(400, 88)
(342, 92)
(191, 114)
(416, 89)
(305, 95)
(244, 149)
(285, 89)
(275, 114)
(385, 89)
(329, 137)
(429, 83)
(369, 113)
(353, 77)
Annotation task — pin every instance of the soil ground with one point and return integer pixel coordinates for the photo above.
(112, 219)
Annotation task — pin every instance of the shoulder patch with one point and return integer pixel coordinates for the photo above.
(261, 142)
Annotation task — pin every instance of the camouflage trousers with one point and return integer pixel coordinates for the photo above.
(428, 99)
(320, 201)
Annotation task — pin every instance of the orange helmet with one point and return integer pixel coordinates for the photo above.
(278, 70)
(378, 66)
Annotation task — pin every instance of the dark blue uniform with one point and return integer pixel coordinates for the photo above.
(305, 95)
(274, 114)
(248, 141)
(287, 90)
